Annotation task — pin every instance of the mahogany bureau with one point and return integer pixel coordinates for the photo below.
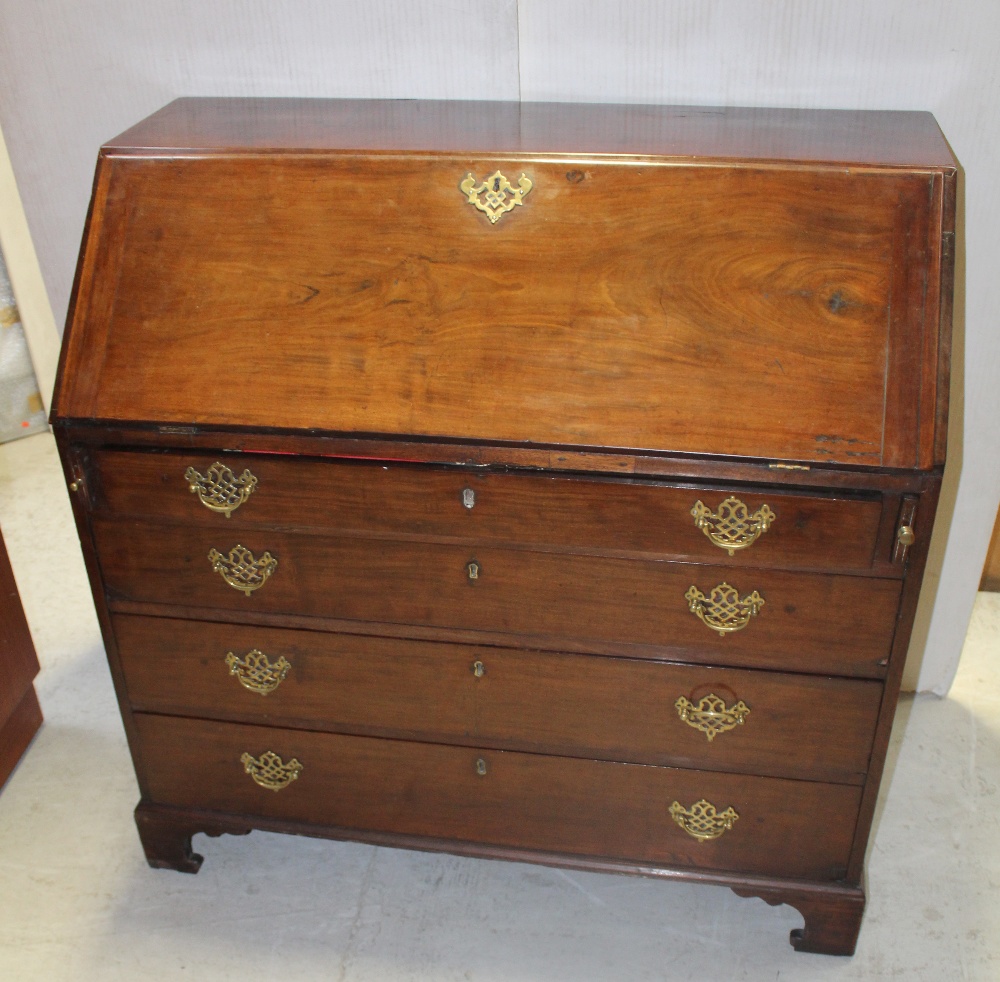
(538, 482)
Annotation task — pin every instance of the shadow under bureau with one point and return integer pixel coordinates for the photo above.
(537, 482)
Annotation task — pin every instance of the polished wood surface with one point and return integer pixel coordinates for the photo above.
(814, 136)
(436, 323)
(20, 714)
(641, 518)
(809, 622)
(688, 305)
(608, 708)
(528, 800)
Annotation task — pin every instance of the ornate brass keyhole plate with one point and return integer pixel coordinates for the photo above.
(496, 195)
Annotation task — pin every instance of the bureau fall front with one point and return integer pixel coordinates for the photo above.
(536, 482)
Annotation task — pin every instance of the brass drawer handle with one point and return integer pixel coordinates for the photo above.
(256, 673)
(906, 536)
(702, 821)
(722, 610)
(731, 526)
(269, 771)
(499, 195)
(219, 489)
(241, 570)
(710, 714)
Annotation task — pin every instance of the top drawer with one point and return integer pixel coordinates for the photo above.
(615, 516)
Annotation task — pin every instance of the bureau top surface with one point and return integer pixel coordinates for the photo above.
(860, 137)
(617, 277)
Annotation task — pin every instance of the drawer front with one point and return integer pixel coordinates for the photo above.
(500, 798)
(577, 705)
(759, 528)
(809, 622)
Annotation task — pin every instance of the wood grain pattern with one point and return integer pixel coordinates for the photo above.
(608, 708)
(810, 622)
(621, 516)
(436, 323)
(526, 800)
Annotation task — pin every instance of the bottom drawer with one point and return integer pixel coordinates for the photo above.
(531, 801)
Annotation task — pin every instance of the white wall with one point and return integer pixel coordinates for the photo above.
(75, 72)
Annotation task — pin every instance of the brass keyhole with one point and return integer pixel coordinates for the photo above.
(473, 570)
(469, 498)
(480, 766)
(478, 669)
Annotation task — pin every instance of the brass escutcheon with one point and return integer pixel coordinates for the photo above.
(723, 610)
(256, 673)
(710, 714)
(269, 771)
(219, 489)
(731, 526)
(241, 570)
(469, 498)
(473, 570)
(702, 821)
(498, 195)
(478, 669)
(480, 766)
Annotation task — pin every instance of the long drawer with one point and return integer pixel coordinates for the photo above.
(577, 705)
(784, 530)
(825, 624)
(502, 798)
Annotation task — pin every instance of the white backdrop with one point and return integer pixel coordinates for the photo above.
(75, 72)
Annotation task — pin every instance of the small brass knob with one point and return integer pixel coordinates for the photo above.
(478, 669)
(480, 766)
(472, 569)
(906, 536)
(469, 498)
(76, 485)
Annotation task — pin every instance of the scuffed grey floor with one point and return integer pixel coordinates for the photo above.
(79, 903)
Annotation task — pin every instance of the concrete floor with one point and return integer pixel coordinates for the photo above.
(78, 901)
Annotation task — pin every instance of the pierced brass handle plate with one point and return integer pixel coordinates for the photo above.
(241, 570)
(731, 526)
(496, 195)
(701, 821)
(710, 715)
(219, 489)
(256, 672)
(269, 771)
(723, 610)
